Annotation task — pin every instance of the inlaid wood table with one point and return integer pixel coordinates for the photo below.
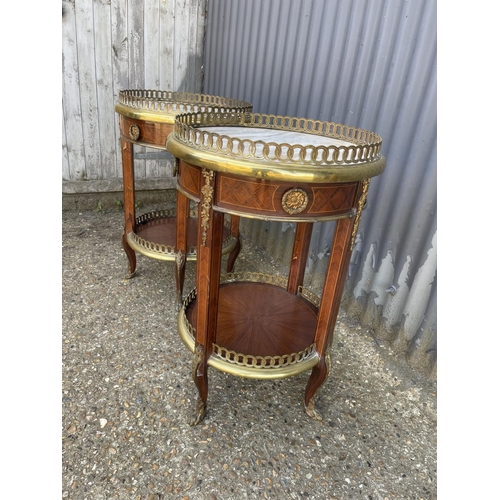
(279, 169)
(146, 118)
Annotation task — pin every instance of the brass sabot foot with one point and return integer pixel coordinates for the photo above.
(311, 410)
(201, 408)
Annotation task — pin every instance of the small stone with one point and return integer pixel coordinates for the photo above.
(112, 451)
(103, 422)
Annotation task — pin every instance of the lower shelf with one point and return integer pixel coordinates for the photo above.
(262, 330)
(154, 236)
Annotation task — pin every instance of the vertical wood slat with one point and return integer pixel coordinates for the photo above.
(119, 63)
(65, 161)
(151, 66)
(181, 37)
(110, 46)
(104, 82)
(167, 42)
(84, 15)
(196, 21)
(166, 68)
(135, 13)
(72, 114)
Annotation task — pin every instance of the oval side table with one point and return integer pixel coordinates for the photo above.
(146, 118)
(272, 168)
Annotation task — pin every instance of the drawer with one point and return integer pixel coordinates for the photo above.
(145, 132)
(268, 199)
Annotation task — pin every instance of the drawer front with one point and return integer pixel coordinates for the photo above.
(145, 132)
(189, 179)
(268, 199)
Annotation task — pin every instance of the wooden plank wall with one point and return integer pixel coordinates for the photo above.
(109, 45)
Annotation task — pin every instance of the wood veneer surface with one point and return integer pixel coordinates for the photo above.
(260, 319)
(162, 231)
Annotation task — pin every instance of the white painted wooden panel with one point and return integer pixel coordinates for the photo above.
(72, 115)
(110, 45)
(104, 88)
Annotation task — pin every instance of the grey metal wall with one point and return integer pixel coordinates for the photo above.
(369, 64)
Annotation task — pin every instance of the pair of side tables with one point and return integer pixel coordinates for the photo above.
(233, 163)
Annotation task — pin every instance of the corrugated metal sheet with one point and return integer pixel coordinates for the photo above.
(369, 64)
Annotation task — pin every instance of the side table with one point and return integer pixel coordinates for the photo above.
(146, 118)
(280, 169)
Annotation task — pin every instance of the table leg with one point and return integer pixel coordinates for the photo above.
(208, 267)
(300, 250)
(182, 214)
(128, 202)
(235, 233)
(328, 310)
(200, 377)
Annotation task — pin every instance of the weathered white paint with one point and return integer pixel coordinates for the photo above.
(104, 77)
(383, 279)
(397, 299)
(420, 292)
(85, 35)
(73, 148)
(401, 304)
(113, 45)
(367, 274)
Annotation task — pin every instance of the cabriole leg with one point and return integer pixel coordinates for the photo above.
(200, 377)
(319, 375)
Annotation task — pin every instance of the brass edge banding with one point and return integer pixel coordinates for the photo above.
(155, 250)
(162, 106)
(292, 218)
(187, 194)
(169, 255)
(186, 332)
(254, 277)
(263, 374)
(144, 115)
(140, 143)
(357, 158)
(163, 100)
(187, 335)
(262, 362)
(274, 171)
(168, 252)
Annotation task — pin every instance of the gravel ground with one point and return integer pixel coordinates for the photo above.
(128, 397)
